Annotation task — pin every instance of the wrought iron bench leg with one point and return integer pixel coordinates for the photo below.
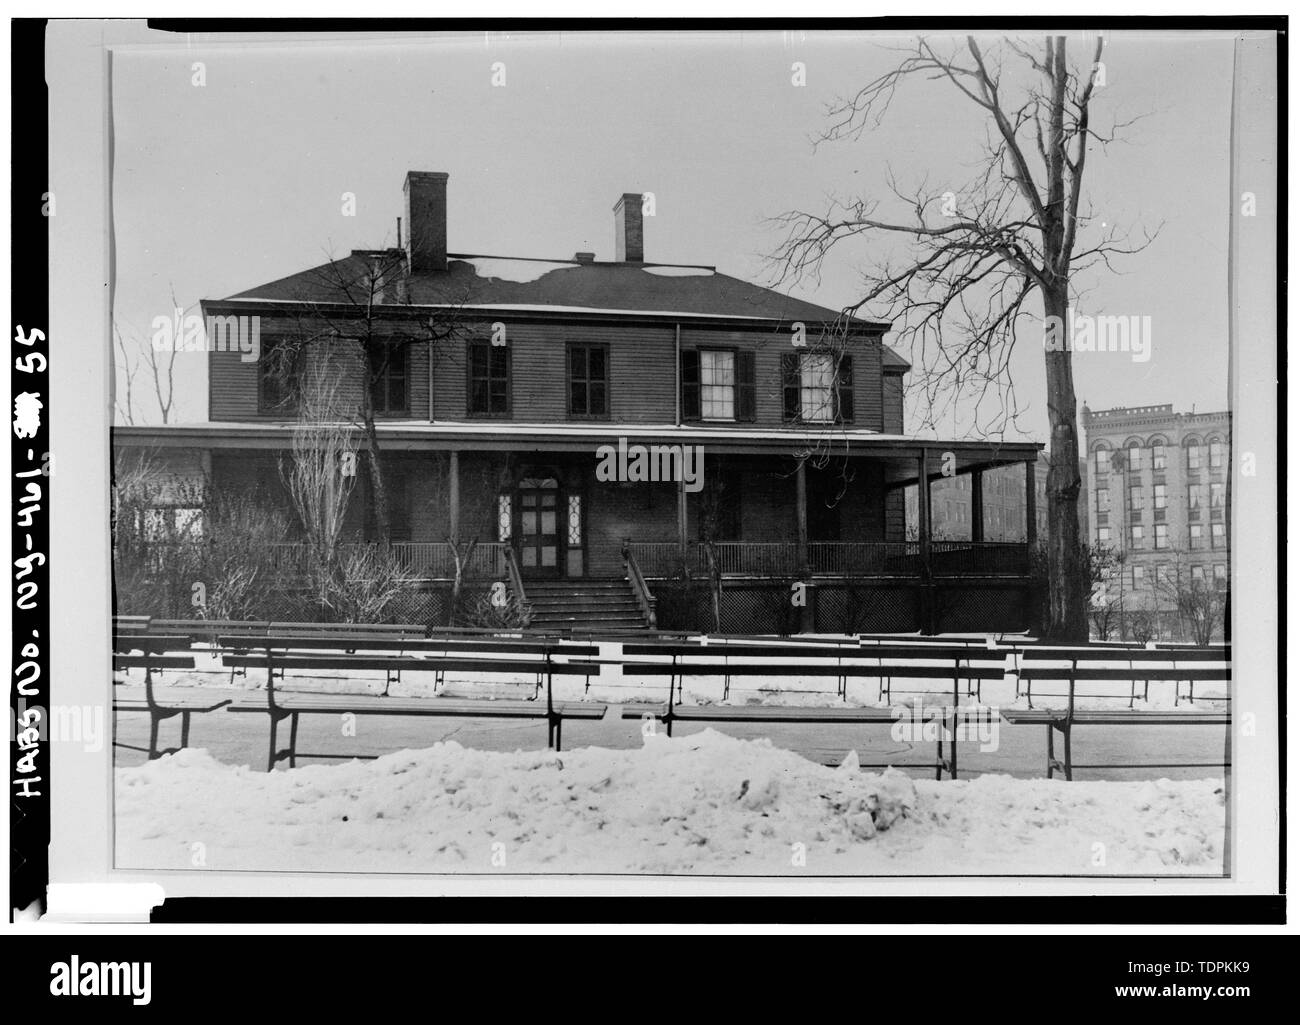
(185, 728)
(155, 718)
(293, 741)
(1051, 749)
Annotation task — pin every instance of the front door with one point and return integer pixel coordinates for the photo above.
(539, 527)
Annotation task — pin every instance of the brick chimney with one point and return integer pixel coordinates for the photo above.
(628, 244)
(426, 220)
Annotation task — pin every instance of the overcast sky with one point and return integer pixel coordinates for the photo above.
(221, 187)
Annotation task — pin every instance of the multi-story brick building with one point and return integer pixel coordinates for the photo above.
(1157, 492)
(501, 388)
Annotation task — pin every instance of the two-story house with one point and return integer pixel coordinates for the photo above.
(596, 423)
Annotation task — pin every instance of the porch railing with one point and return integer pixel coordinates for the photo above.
(834, 558)
(635, 577)
(428, 560)
(516, 580)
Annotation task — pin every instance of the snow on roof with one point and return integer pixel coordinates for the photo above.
(664, 270)
(505, 268)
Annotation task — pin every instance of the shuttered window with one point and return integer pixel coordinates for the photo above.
(813, 391)
(718, 384)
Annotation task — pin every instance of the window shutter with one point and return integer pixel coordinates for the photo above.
(746, 399)
(790, 406)
(844, 390)
(690, 384)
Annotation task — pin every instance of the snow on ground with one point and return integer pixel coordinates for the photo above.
(704, 803)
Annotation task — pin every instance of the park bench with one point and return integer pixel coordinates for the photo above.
(147, 643)
(1063, 720)
(208, 629)
(821, 661)
(1144, 665)
(279, 705)
(672, 710)
(424, 648)
(182, 701)
(354, 629)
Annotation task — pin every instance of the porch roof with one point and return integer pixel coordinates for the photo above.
(511, 436)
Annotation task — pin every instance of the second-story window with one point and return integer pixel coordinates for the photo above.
(588, 380)
(812, 390)
(388, 366)
(489, 379)
(718, 384)
(277, 378)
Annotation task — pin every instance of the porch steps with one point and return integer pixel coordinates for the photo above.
(602, 605)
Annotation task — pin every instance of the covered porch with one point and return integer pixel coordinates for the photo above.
(752, 504)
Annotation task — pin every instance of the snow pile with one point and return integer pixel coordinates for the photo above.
(704, 803)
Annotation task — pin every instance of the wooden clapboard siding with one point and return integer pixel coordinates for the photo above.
(892, 387)
(233, 382)
(769, 346)
(642, 373)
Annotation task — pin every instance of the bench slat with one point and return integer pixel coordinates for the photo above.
(153, 661)
(1087, 673)
(399, 664)
(362, 704)
(855, 670)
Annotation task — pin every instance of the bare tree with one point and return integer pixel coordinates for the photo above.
(321, 471)
(1201, 604)
(978, 253)
(1102, 606)
(128, 368)
(363, 310)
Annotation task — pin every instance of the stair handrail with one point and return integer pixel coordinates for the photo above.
(640, 589)
(517, 586)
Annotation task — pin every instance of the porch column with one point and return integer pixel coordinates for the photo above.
(977, 505)
(927, 609)
(1031, 502)
(807, 618)
(681, 519)
(801, 514)
(923, 508)
(453, 494)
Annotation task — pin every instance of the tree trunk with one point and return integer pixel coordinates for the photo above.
(1067, 578)
(377, 490)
